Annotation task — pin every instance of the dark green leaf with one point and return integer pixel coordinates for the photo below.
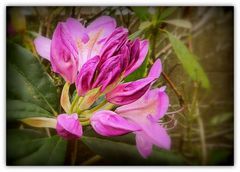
(17, 109)
(189, 62)
(142, 13)
(28, 82)
(221, 157)
(28, 147)
(127, 138)
(123, 153)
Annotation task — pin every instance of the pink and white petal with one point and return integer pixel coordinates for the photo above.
(154, 102)
(162, 102)
(108, 123)
(64, 55)
(104, 23)
(155, 132)
(77, 30)
(129, 92)
(143, 144)
(43, 45)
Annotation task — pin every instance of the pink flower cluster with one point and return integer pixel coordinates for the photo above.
(100, 56)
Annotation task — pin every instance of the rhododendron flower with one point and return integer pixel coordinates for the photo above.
(97, 58)
(98, 55)
(68, 126)
(141, 117)
(73, 44)
(118, 58)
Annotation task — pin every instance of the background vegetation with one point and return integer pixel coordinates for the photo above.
(195, 45)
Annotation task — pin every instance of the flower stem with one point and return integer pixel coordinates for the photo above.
(74, 153)
(75, 101)
(85, 123)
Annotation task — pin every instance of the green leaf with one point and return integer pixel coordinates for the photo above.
(143, 26)
(179, 22)
(123, 153)
(189, 62)
(142, 13)
(221, 118)
(28, 82)
(139, 73)
(17, 109)
(167, 12)
(28, 147)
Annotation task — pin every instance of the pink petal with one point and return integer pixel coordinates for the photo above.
(64, 56)
(154, 102)
(113, 43)
(104, 23)
(43, 45)
(98, 30)
(162, 101)
(138, 58)
(129, 92)
(156, 69)
(77, 30)
(108, 123)
(157, 135)
(68, 126)
(108, 72)
(86, 76)
(143, 144)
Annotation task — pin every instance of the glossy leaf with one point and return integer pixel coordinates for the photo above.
(28, 147)
(17, 109)
(123, 153)
(189, 61)
(28, 82)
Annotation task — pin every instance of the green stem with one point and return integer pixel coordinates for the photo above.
(202, 137)
(76, 107)
(74, 153)
(85, 123)
(103, 105)
(99, 106)
(75, 100)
